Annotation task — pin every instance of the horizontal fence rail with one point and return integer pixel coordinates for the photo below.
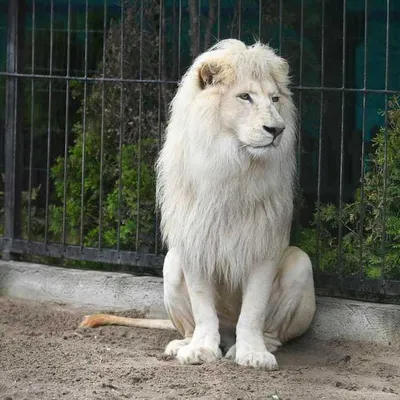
(85, 88)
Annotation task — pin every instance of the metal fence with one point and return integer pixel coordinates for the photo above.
(84, 93)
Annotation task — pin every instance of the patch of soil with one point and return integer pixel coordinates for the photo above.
(43, 356)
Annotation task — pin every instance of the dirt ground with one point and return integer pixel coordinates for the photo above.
(43, 356)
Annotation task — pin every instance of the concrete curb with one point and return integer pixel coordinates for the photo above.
(356, 320)
(90, 289)
(102, 291)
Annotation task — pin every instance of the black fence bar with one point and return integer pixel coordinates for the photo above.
(140, 117)
(84, 127)
(239, 5)
(342, 132)
(280, 26)
(296, 225)
(49, 124)
(32, 116)
(161, 35)
(67, 127)
(378, 290)
(13, 125)
(198, 24)
(179, 35)
(83, 78)
(219, 19)
(121, 122)
(363, 129)
(385, 166)
(320, 137)
(172, 81)
(101, 189)
(76, 252)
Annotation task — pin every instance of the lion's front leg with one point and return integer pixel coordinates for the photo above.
(204, 346)
(250, 346)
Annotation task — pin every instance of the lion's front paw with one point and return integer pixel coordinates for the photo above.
(192, 354)
(257, 359)
(174, 346)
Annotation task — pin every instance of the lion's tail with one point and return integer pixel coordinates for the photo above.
(94, 320)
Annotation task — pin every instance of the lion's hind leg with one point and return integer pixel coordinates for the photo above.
(292, 302)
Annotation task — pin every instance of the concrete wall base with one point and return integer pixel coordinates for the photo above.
(90, 289)
(102, 291)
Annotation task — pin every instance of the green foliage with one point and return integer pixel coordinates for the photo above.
(371, 223)
(115, 154)
(119, 197)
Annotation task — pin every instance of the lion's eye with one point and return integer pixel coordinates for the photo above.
(244, 96)
(275, 99)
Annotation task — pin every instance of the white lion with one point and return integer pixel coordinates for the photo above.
(225, 187)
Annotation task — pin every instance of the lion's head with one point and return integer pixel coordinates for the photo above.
(243, 91)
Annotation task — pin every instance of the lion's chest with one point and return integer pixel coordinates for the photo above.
(226, 237)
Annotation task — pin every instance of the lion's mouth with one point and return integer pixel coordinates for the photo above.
(265, 146)
(258, 149)
(262, 147)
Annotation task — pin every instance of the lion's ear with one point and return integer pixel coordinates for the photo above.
(208, 74)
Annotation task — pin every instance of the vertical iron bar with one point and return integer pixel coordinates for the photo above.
(121, 124)
(362, 172)
(259, 18)
(180, 37)
(385, 150)
(219, 20)
(49, 127)
(31, 139)
(66, 132)
(140, 129)
(13, 126)
(300, 111)
(199, 26)
(280, 25)
(340, 228)
(84, 128)
(300, 83)
(100, 244)
(160, 59)
(240, 19)
(321, 118)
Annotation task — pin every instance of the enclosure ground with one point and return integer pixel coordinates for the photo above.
(43, 356)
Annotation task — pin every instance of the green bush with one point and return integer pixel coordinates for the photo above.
(371, 223)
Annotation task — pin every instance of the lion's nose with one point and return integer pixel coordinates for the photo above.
(274, 131)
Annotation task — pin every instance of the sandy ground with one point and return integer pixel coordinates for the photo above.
(43, 356)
